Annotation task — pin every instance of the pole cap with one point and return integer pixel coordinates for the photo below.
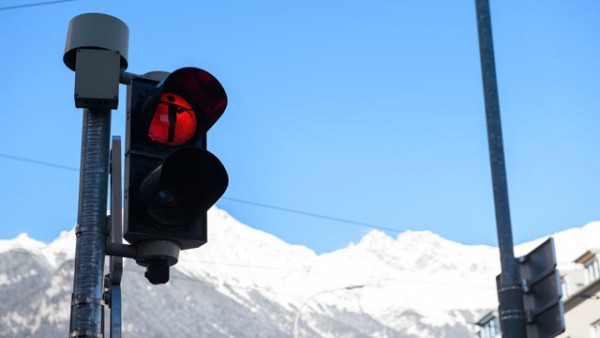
(96, 31)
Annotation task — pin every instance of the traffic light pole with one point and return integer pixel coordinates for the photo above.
(96, 50)
(172, 179)
(510, 293)
(87, 303)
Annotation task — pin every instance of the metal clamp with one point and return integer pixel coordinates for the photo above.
(77, 300)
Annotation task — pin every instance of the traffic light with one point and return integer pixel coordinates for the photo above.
(171, 179)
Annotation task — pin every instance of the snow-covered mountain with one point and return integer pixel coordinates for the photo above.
(247, 283)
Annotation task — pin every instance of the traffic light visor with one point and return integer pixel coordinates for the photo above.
(201, 91)
(183, 187)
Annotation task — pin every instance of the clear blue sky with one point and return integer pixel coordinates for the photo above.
(370, 111)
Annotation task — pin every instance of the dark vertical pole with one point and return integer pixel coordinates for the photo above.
(86, 304)
(96, 50)
(115, 263)
(510, 294)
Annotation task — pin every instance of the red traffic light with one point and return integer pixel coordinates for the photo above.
(171, 178)
(174, 121)
(201, 91)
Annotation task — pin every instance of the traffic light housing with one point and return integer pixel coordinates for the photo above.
(171, 179)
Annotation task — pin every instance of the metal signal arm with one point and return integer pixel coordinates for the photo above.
(121, 250)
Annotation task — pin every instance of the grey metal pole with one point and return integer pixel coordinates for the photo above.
(510, 293)
(86, 305)
(96, 49)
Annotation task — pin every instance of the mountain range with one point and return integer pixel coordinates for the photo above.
(248, 283)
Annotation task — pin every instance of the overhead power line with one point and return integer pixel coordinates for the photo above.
(311, 214)
(231, 199)
(47, 164)
(35, 4)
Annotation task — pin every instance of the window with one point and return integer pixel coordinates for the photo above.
(490, 329)
(591, 271)
(596, 330)
(565, 289)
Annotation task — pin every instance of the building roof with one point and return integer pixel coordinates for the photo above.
(487, 317)
(587, 292)
(587, 255)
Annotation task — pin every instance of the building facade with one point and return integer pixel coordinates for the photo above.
(581, 292)
(580, 285)
(488, 326)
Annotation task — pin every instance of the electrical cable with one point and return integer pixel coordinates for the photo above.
(35, 4)
(310, 214)
(231, 199)
(47, 164)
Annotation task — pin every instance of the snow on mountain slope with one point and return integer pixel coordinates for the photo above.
(21, 242)
(233, 246)
(417, 271)
(570, 243)
(60, 250)
(421, 267)
(249, 283)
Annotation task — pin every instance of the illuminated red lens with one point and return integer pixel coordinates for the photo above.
(174, 121)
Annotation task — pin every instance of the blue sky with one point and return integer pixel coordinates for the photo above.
(366, 111)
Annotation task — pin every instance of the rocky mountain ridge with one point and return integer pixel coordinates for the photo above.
(247, 283)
